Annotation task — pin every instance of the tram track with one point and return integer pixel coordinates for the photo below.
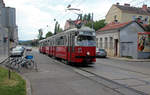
(119, 88)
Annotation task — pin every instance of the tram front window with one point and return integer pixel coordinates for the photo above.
(86, 40)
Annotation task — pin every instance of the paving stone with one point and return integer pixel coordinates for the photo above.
(145, 88)
(130, 82)
(126, 91)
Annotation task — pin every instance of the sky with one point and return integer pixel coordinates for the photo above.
(32, 15)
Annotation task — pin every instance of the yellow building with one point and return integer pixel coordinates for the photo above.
(125, 13)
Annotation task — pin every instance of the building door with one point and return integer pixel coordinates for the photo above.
(116, 47)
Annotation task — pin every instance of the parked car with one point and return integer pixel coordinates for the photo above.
(17, 51)
(28, 48)
(101, 53)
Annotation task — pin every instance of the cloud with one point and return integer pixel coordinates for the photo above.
(29, 18)
(34, 14)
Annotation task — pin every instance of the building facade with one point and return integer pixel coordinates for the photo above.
(122, 40)
(125, 13)
(8, 28)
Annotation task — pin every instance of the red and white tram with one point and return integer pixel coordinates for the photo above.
(74, 45)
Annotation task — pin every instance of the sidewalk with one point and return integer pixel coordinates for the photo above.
(3, 58)
(130, 60)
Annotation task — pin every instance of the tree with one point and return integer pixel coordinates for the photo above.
(85, 17)
(89, 17)
(49, 34)
(57, 28)
(97, 24)
(40, 35)
(60, 30)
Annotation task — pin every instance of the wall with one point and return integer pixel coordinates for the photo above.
(122, 16)
(129, 17)
(107, 34)
(111, 13)
(8, 17)
(3, 45)
(128, 41)
(8, 20)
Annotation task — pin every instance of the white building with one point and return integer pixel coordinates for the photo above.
(127, 39)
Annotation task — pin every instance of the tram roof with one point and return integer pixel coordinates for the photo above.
(42, 40)
(83, 28)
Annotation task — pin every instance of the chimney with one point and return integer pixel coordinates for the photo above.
(117, 3)
(144, 7)
(127, 5)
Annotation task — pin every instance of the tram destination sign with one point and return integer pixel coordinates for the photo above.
(89, 33)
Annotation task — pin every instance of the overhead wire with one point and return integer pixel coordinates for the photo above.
(70, 12)
(101, 16)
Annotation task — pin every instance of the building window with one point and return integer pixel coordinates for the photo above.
(133, 18)
(115, 18)
(106, 43)
(101, 43)
(97, 42)
(111, 42)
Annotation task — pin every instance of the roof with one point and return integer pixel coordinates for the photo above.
(112, 26)
(135, 10)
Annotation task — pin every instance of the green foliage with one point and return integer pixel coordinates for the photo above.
(29, 43)
(40, 35)
(97, 24)
(57, 28)
(14, 86)
(60, 30)
(49, 34)
(87, 17)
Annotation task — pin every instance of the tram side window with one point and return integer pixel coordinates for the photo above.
(56, 41)
(61, 41)
(65, 40)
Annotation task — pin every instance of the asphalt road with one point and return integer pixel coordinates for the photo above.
(105, 77)
(134, 75)
(54, 78)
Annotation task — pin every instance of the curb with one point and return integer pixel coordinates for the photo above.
(129, 60)
(28, 85)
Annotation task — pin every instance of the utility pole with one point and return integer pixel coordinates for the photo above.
(92, 21)
(9, 72)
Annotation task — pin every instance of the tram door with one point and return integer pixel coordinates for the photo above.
(69, 47)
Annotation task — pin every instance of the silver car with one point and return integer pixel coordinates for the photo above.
(101, 53)
(17, 52)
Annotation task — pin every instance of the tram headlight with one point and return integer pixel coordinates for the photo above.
(88, 53)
